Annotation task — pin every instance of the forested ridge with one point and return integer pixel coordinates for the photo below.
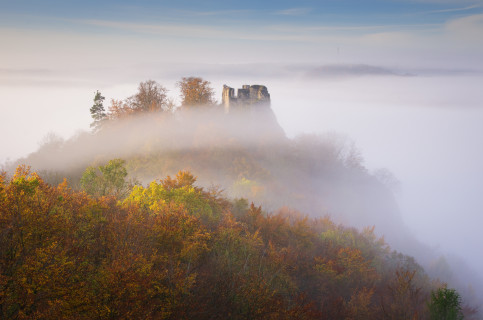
(172, 250)
(85, 234)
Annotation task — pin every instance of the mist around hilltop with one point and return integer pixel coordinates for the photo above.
(247, 154)
(244, 152)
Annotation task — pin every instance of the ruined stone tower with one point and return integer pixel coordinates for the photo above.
(246, 96)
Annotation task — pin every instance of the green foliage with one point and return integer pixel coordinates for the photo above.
(240, 207)
(109, 179)
(180, 192)
(445, 304)
(244, 187)
(98, 113)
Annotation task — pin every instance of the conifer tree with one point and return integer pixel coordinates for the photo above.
(98, 113)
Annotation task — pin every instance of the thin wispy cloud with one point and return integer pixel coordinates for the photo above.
(353, 70)
(213, 30)
(162, 29)
(469, 27)
(475, 6)
(206, 31)
(293, 11)
(216, 12)
(329, 28)
(282, 33)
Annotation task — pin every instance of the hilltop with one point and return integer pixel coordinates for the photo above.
(237, 145)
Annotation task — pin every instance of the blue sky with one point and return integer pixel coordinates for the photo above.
(154, 10)
(390, 32)
(228, 13)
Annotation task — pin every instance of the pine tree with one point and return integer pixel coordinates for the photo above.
(98, 113)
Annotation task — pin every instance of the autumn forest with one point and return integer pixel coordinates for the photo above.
(167, 211)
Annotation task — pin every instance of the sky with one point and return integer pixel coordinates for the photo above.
(401, 78)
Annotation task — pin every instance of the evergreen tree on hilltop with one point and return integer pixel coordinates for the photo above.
(98, 113)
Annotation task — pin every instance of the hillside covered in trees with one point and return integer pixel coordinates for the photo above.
(173, 250)
(117, 239)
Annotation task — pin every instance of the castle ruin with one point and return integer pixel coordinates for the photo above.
(248, 95)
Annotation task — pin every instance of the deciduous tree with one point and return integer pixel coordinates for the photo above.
(107, 179)
(151, 97)
(195, 92)
(445, 304)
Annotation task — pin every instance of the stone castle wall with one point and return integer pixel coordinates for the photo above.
(248, 95)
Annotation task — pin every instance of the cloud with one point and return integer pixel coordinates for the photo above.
(215, 12)
(467, 28)
(385, 39)
(203, 31)
(293, 12)
(457, 9)
(179, 30)
(353, 70)
(163, 29)
(456, 2)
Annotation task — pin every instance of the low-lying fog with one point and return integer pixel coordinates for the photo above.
(424, 128)
(427, 131)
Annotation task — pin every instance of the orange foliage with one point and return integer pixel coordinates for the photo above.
(195, 92)
(66, 255)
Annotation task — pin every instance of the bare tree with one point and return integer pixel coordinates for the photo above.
(151, 97)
